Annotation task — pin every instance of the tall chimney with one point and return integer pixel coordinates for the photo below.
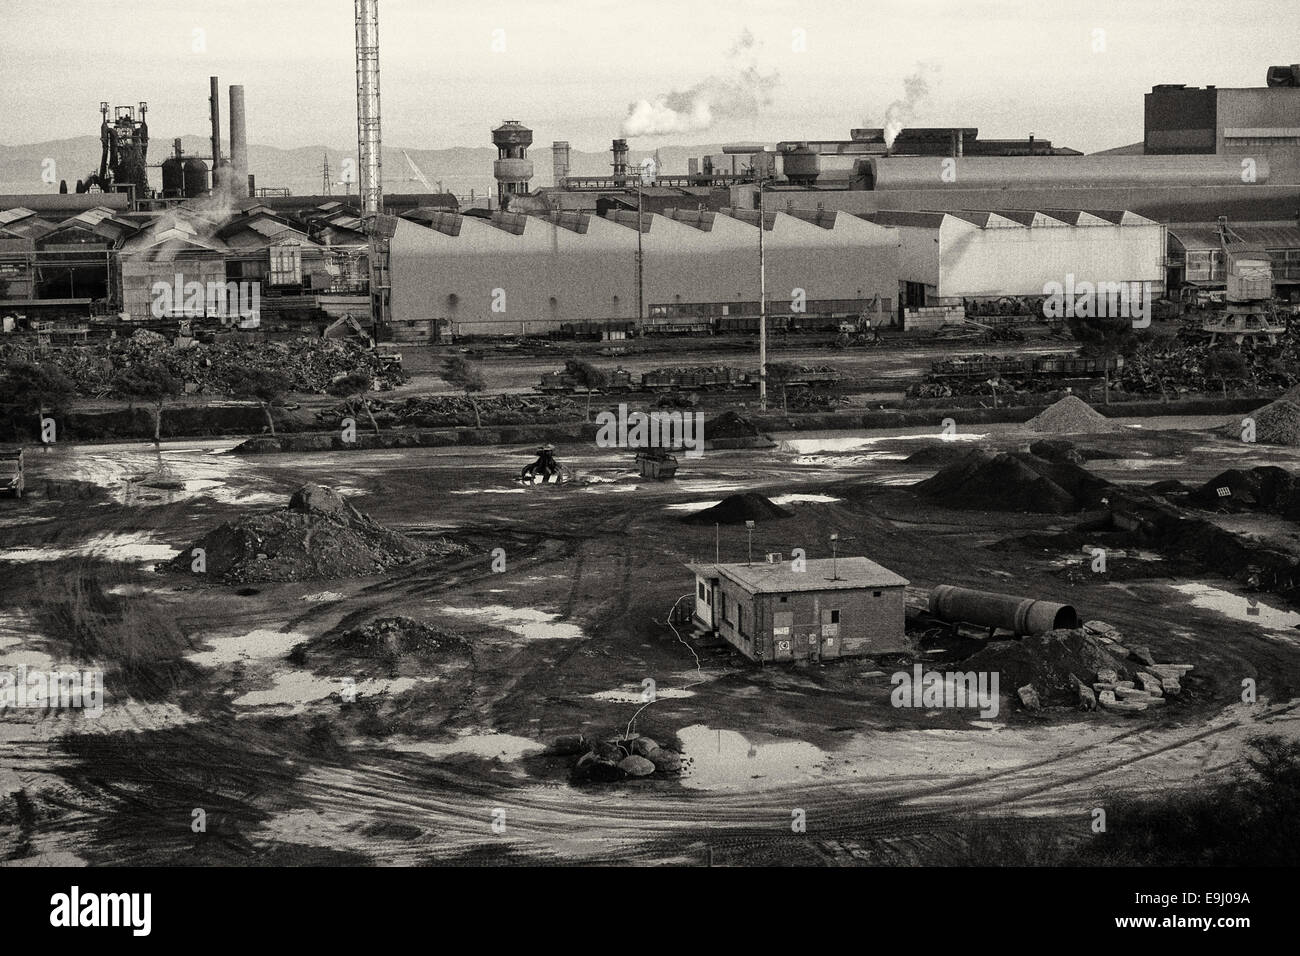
(238, 145)
(560, 160)
(214, 111)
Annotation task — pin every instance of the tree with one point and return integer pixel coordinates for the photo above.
(457, 371)
(150, 382)
(262, 385)
(782, 373)
(1225, 365)
(34, 389)
(353, 389)
(587, 376)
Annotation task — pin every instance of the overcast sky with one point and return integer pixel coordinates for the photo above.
(570, 69)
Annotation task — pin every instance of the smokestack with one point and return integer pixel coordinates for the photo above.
(693, 166)
(214, 110)
(560, 160)
(238, 145)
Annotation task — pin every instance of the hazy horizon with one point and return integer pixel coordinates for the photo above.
(722, 72)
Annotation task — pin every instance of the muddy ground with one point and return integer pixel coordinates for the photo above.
(209, 714)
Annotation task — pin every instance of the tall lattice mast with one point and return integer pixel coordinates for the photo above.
(369, 141)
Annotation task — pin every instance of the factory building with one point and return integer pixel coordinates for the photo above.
(952, 256)
(823, 610)
(1196, 255)
(104, 262)
(1260, 123)
(514, 274)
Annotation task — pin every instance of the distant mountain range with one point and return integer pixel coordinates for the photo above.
(459, 169)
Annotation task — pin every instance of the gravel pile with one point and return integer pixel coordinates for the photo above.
(1277, 423)
(1069, 416)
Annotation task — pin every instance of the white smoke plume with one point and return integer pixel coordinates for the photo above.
(741, 92)
(916, 90)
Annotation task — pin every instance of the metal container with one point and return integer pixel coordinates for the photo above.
(1005, 611)
(173, 177)
(196, 177)
(802, 165)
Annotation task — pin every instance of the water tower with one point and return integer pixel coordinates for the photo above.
(512, 169)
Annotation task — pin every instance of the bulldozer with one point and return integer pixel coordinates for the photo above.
(545, 470)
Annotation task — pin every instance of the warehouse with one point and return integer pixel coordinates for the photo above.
(949, 257)
(816, 609)
(514, 274)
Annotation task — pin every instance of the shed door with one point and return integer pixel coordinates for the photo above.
(830, 636)
(783, 635)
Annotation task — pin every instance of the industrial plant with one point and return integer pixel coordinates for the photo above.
(895, 500)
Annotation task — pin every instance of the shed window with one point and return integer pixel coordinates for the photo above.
(875, 594)
(784, 599)
(286, 265)
(701, 586)
(835, 617)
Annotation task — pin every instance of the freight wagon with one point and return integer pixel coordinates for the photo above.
(1043, 366)
(702, 378)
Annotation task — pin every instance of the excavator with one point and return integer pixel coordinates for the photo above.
(545, 470)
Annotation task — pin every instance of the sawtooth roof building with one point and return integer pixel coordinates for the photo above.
(515, 274)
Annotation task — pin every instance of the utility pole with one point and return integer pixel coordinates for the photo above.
(749, 529)
(327, 185)
(640, 261)
(762, 305)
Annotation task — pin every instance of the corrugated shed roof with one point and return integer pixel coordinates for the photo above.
(1198, 238)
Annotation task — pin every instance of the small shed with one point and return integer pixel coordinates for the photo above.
(806, 609)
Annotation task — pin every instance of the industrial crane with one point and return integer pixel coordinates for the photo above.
(1248, 307)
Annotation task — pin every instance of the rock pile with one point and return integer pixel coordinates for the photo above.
(1069, 416)
(1266, 488)
(319, 535)
(310, 364)
(618, 758)
(737, 509)
(1087, 666)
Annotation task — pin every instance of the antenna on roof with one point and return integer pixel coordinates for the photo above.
(749, 529)
(835, 554)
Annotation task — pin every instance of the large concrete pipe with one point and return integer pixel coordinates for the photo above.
(1006, 611)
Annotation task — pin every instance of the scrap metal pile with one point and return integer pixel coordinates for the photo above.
(1173, 367)
(311, 364)
(444, 411)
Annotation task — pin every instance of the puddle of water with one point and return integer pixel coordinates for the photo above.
(844, 461)
(477, 743)
(524, 621)
(631, 694)
(261, 644)
(322, 596)
(298, 688)
(808, 446)
(791, 499)
(726, 760)
(1238, 607)
(492, 491)
(110, 547)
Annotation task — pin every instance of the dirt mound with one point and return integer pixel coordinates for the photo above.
(1069, 416)
(731, 425)
(1050, 662)
(319, 535)
(1013, 481)
(737, 509)
(387, 647)
(940, 454)
(1267, 488)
